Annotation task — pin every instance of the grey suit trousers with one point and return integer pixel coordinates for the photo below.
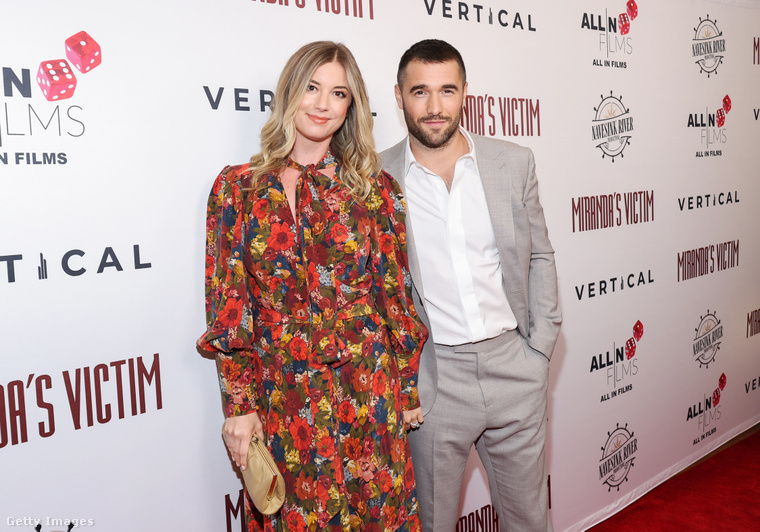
(491, 393)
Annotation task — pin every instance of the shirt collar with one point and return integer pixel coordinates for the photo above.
(410, 159)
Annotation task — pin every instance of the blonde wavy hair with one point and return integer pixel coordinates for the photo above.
(352, 144)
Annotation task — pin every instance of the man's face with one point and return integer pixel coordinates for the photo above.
(431, 97)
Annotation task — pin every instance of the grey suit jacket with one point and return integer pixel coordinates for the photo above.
(527, 257)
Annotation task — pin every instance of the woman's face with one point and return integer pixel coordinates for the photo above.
(324, 106)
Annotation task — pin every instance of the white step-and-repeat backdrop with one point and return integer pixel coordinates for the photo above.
(646, 131)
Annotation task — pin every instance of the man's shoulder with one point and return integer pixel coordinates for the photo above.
(394, 152)
(393, 159)
(494, 148)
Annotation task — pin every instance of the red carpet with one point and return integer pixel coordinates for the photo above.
(721, 493)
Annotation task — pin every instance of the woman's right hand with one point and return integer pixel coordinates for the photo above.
(237, 432)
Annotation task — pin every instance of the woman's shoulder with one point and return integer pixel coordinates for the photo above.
(385, 181)
(233, 178)
(236, 175)
(389, 189)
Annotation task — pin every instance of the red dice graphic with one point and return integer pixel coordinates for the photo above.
(83, 51)
(726, 103)
(630, 349)
(638, 330)
(716, 397)
(721, 116)
(722, 381)
(625, 23)
(56, 79)
(632, 9)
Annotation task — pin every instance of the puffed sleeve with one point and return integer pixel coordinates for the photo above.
(229, 319)
(393, 285)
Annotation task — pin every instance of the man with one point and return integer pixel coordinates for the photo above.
(486, 286)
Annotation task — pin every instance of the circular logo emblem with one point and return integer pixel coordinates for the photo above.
(612, 127)
(708, 46)
(617, 457)
(707, 340)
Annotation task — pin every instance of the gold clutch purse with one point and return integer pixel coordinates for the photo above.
(263, 480)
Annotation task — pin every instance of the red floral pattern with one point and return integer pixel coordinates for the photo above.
(313, 324)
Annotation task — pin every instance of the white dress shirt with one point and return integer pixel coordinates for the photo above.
(456, 248)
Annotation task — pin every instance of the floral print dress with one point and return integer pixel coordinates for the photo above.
(314, 327)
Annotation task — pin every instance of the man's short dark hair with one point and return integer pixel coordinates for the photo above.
(430, 51)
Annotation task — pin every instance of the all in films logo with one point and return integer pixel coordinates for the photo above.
(707, 340)
(620, 366)
(708, 46)
(57, 81)
(56, 78)
(707, 412)
(614, 41)
(618, 454)
(712, 128)
(612, 126)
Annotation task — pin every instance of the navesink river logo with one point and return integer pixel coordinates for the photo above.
(708, 46)
(618, 454)
(612, 127)
(707, 340)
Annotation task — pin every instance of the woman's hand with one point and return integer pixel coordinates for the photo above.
(413, 418)
(237, 433)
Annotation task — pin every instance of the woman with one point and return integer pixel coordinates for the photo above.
(308, 306)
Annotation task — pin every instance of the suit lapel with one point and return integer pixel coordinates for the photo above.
(497, 186)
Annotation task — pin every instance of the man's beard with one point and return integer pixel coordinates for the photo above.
(429, 139)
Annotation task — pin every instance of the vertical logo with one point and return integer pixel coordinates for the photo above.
(618, 454)
(708, 46)
(707, 339)
(493, 16)
(73, 263)
(42, 272)
(612, 126)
